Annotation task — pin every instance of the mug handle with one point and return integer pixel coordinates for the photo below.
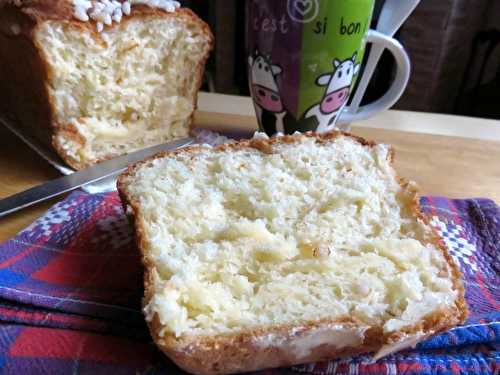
(397, 88)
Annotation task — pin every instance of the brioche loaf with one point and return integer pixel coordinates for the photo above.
(269, 253)
(96, 79)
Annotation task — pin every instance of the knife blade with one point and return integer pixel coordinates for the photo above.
(78, 179)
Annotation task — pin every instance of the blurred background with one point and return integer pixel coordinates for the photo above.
(454, 46)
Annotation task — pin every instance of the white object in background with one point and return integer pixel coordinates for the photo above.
(393, 15)
(395, 91)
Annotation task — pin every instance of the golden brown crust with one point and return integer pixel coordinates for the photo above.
(248, 350)
(40, 10)
(25, 73)
(63, 10)
(439, 319)
(260, 144)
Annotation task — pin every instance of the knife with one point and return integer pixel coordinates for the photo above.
(78, 179)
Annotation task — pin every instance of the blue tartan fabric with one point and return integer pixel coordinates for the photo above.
(71, 284)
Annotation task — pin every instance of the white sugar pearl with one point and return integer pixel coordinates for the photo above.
(117, 16)
(98, 7)
(82, 4)
(107, 19)
(97, 16)
(104, 12)
(126, 8)
(81, 15)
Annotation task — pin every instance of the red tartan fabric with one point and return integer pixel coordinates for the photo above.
(70, 290)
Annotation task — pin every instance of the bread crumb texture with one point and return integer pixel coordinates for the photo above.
(130, 86)
(238, 239)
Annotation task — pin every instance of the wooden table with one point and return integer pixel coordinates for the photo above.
(451, 156)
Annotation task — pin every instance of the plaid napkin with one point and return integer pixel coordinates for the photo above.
(70, 290)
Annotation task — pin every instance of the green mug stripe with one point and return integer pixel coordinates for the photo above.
(329, 42)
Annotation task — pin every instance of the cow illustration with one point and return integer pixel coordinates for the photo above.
(269, 106)
(336, 95)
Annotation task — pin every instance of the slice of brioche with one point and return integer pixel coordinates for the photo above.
(269, 253)
(95, 91)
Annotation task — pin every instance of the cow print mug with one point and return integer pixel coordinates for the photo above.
(304, 58)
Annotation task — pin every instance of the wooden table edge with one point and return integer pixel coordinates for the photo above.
(236, 113)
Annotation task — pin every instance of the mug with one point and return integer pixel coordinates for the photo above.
(304, 59)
